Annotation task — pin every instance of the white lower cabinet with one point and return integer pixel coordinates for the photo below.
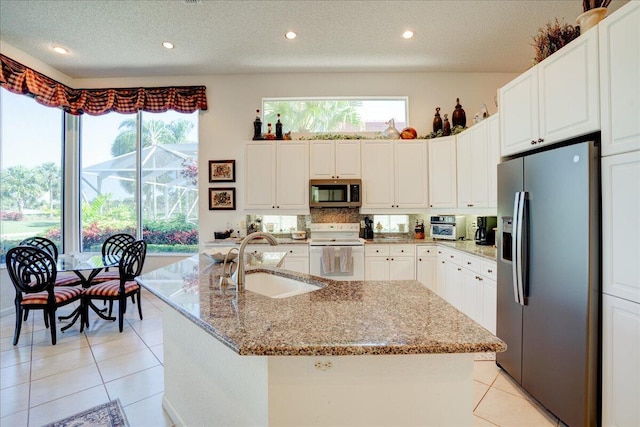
(389, 262)
(620, 362)
(489, 304)
(297, 258)
(453, 290)
(426, 265)
(468, 283)
(441, 273)
(472, 295)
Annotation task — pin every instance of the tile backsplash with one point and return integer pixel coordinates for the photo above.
(346, 215)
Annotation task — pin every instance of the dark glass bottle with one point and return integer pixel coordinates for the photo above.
(437, 121)
(446, 129)
(257, 126)
(278, 128)
(458, 117)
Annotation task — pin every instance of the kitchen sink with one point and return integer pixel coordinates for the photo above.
(273, 286)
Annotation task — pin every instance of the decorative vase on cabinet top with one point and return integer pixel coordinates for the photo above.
(391, 132)
(458, 117)
(437, 121)
(590, 18)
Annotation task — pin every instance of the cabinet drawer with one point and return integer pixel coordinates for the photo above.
(443, 254)
(472, 263)
(291, 250)
(426, 251)
(376, 250)
(455, 257)
(401, 250)
(488, 269)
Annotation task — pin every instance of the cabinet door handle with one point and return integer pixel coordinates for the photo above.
(459, 269)
(540, 139)
(387, 259)
(419, 259)
(391, 259)
(468, 263)
(489, 271)
(533, 142)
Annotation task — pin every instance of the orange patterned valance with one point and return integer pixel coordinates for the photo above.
(18, 78)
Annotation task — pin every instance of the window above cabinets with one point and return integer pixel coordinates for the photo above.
(331, 115)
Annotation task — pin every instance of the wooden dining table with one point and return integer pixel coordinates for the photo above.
(85, 265)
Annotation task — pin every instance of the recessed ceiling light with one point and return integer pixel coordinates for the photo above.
(167, 45)
(60, 50)
(290, 35)
(407, 34)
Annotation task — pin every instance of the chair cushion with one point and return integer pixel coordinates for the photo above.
(61, 295)
(111, 288)
(67, 281)
(106, 276)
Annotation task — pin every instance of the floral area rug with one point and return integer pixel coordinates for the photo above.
(108, 414)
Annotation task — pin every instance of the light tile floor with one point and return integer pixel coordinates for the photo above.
(41, 383)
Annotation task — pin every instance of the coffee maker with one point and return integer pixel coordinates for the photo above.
(368, 228)
(485, 234)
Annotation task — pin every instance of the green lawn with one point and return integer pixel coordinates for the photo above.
(27, 226)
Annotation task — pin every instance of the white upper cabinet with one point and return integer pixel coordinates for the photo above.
(277, 176)
(442, 172)
(493, 151)
(377, 175)
(394, 175)
(558, 99)
(334, 159)
(518, 106)
(411, 174)
(620, 79)
(473, 158)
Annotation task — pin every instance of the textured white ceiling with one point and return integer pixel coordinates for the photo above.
(122, 38)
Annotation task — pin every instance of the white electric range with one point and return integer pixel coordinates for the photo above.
(328, 240)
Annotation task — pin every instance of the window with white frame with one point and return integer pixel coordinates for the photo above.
(391, 223)
(31, 171)
(168, 159)
(336, 114)
(279, 223)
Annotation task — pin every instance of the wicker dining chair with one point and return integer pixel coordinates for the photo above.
(33, 274)
(131, 263)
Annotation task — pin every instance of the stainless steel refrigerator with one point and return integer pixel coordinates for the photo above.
(549, 278)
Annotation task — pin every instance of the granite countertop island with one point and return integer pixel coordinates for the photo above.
(341, 318)
(350, 353)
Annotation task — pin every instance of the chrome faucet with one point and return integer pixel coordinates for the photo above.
(241, 264)
(224, 282)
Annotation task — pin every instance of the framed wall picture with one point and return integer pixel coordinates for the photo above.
(222, 171)
(222, 198)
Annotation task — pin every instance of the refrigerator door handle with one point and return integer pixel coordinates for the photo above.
(519, 247)
(515, 266)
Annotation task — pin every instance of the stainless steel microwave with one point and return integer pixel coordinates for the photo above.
(335, 193)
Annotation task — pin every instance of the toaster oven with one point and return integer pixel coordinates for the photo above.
(448, 227)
